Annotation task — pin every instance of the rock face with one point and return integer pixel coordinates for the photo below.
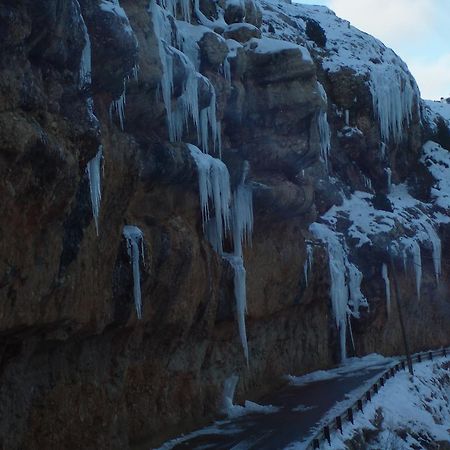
(267, 86)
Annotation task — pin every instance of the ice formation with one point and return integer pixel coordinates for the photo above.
(117, 107)
(214, 188)
(135, 247)
(346, 295)
(387, 284)
(93, 170)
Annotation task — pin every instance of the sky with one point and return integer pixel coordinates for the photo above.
(417, 30)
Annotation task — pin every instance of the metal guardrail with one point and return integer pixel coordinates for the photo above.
(324, 435)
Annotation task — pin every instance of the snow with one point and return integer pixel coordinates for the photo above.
(433, 110)
(135, 239)
(387, 284)
(93, 170)
(348, 368)
(214, 188)
(394, 92)
(268, 45)
(437, 160)
(414, 408)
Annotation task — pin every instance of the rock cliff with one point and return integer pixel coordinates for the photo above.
(138, 273)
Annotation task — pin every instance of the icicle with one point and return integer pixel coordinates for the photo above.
(242, 213)
(229, 388)
(85, 62)
(325, 137)
(118, 107)
(93, 171)
(389, 179)
(367, 183)
(387, 284)
(227, 70)
(134, 238)
(347, 117)
(237, 264)
(383, 150)
(437, 248)
(417, 261)
(307, 267)
(214, 186)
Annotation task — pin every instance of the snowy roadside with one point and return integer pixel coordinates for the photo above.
(405, 414)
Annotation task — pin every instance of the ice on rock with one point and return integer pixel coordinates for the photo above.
(214, 188)
(387, 284)
(389, 179)
(135, 247)
(117, 107)
(113, 7)
(93, 170)
(324, 127)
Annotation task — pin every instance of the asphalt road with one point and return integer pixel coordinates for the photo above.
(300, 410)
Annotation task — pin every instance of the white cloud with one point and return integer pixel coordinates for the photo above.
(390, 20)
(433, 77)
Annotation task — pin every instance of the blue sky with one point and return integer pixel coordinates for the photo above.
(417, 30)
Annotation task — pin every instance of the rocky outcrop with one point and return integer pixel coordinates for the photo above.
(77, 366)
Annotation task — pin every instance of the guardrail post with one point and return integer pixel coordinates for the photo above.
(382, 381)
(316, 444)
(419, 358)
(326, 433)
(430, 354)
(350, 415)
(375, 388)
(403, 365)
(368, 396)
(392, 372)
(444, 352)
(339, 423)
(360, 405)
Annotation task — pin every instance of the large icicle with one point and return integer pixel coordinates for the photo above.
(93, 170)
(346, 296)
(324, 128)
(237, 263)
(436, 246)
(393, 99)
(387, 285)
(214, 187)
(229, 387)
(135, 247)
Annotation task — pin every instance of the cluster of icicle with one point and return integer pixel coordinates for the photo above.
(175, 42)
(232, 215)
(394, 99)
(223, 213)
(324, 128)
